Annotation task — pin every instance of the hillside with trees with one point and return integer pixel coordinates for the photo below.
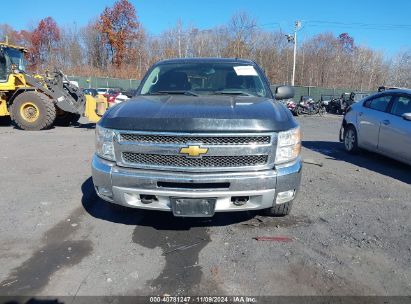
(115, 44)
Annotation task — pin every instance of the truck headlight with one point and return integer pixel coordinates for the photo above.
(288, 146)
(104, 143)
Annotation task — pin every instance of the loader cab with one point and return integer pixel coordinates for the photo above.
(15, 59)
(11, 58)
(3, 66)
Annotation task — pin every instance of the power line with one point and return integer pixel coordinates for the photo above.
(358, 23)
(348, 25)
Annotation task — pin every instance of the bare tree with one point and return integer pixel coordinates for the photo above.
(400, 72)
(241, 30)
(103, 48)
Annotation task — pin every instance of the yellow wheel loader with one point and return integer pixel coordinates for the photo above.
(38, 102)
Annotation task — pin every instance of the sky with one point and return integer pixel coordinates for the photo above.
(379, 24)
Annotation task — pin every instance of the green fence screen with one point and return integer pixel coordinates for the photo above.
(105, 82)
(316, 92)
(126, 84)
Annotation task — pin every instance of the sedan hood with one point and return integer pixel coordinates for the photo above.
(182, 113)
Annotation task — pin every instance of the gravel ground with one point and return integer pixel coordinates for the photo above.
(349, 229)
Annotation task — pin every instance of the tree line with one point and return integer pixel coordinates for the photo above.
(116, 44)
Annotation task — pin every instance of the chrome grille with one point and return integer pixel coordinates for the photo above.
(203, 162)
(225, 152)
(206, 140)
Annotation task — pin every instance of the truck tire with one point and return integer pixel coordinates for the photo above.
(66, 119)
(279, 210)
(33, 111)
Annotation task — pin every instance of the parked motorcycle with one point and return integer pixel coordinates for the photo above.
(340, 105)
(292, 106)
(310, 107)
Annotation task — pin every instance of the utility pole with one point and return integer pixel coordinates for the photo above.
(293, 39)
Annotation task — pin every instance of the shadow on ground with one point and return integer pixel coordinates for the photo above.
(158, 220)
(368, 160)
(85, 125)
(180, 239)
(5, 121)
(34, 301)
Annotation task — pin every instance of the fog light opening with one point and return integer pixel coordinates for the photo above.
(285, 196)
(104, 191)
(240, 200)
(147, 198)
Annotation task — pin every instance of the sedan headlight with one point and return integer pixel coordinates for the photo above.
(288, 146)
(104, 143)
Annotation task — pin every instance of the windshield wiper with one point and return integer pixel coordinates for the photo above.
(190, 93)
(240, 93)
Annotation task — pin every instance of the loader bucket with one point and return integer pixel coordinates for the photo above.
(95, 107)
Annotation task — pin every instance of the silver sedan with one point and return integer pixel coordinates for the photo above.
(380, 123)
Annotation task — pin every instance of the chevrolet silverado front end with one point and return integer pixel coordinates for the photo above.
(211, 138)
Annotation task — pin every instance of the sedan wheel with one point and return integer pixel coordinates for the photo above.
(350, 140)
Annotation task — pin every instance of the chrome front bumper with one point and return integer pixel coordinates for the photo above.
(125, 186)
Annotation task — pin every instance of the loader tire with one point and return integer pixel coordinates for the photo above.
(33, 111)
(66, 119)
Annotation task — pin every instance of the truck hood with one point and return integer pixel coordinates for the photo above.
(182, 113)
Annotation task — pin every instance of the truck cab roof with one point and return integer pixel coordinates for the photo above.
(206, 60)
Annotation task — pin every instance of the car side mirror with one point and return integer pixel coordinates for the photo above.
(284, 92)
(407, 116)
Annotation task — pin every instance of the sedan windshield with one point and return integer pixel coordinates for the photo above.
(195, 79)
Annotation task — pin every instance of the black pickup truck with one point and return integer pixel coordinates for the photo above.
(202, 135)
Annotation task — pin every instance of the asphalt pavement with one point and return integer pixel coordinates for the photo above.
(349, 232)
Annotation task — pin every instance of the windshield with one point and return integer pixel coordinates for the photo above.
(204, 79)
(15, 57)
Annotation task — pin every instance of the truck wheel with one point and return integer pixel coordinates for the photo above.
(350, 140)
(33, 111)
(279, 210)
(66, 119)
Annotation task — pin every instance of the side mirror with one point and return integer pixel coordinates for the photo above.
(284, 92)
(407, 116)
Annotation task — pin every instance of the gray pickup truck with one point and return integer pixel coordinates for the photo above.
(202, 135)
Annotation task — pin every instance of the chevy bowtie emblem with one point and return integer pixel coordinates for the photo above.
(193, 151)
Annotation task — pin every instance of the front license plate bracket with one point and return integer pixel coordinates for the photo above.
(193, 207)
